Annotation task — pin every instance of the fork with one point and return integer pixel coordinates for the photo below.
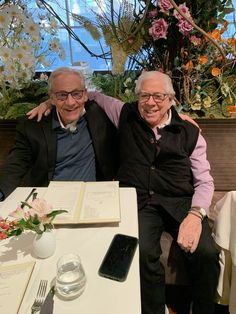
(38, 302)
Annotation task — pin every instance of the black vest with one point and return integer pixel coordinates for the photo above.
(159, 170)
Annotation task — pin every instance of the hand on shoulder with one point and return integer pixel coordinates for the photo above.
(187, 118)
(42, 109)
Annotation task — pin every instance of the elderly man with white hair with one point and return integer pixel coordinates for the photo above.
(164, 158)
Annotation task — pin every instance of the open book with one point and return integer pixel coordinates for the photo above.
(86, 202)
(14, 280)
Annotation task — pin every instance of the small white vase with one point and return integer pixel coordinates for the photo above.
(44, 245)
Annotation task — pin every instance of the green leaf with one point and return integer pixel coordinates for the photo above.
(56, 212)
(228, 10)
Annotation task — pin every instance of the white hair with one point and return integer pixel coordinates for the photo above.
(64, 70)
(155, 75)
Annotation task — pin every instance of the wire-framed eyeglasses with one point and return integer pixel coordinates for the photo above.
(77, 95)
(157, 97)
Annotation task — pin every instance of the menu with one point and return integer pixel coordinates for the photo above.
(85, 202)
(14, 280)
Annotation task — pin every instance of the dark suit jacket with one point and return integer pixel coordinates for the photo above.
(34, 151)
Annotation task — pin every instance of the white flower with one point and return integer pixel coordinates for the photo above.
(62, 53)
(196, 106)
(207, 102)
(127, 81)
(5, 53)
(19, 54)
(128, 92)
(26, 46)
(4, 19)
(35, 38)
(53, 23)
(50, 25)
(225, 89)
(42, 60)
(13, 11)
(27, 62)
(23, 42)
(43, 77)
(54, 44)
(32, 28)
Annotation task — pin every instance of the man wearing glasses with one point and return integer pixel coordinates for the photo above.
(164, 158)
(76, 142)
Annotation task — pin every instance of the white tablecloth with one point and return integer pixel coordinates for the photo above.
(225, 237)
(102, 296)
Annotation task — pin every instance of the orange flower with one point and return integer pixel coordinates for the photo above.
(232, 109)
(231, 41)
(188, 65)
(216, 34)
(203, 59)
(225, 23)
(224, 27)
(215, 71)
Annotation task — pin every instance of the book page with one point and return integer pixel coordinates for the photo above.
(101, 202)
(64, 195)
(13, 283)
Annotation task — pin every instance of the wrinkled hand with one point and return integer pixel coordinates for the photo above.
(42, 109)
(189, 233)
(187, 118)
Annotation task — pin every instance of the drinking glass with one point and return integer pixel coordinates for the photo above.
(70, 279)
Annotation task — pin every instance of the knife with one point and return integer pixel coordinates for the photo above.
(47, 307)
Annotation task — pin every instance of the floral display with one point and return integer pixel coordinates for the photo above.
(195, 50)
(37, 216)
(27, 38)
(181, 38)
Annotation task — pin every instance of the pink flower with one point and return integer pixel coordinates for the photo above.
(165, 5)
(184, 9)
(40, 207)
(196, 41)
(158, 29)
(19, 213)
(152, 13)
(130, 40)
(184, 27)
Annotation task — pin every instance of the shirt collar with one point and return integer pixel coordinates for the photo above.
(167, 122)
(70, 126)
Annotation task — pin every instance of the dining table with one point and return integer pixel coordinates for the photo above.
(90, 242)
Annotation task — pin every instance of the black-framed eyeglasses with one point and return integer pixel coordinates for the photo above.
(157, 97)
(77, 95)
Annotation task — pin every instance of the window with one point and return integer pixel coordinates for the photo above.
(76, 55)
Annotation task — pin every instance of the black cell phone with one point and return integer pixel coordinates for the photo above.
(118, 258)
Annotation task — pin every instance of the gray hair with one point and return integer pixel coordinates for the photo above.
(155, 75)
(64, 70)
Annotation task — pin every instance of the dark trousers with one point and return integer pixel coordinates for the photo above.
(203, 264)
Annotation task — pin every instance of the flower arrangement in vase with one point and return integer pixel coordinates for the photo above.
(37, 216)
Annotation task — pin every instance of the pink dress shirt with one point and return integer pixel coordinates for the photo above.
(202, 180)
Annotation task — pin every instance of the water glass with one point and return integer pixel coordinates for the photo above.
(71, 279)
